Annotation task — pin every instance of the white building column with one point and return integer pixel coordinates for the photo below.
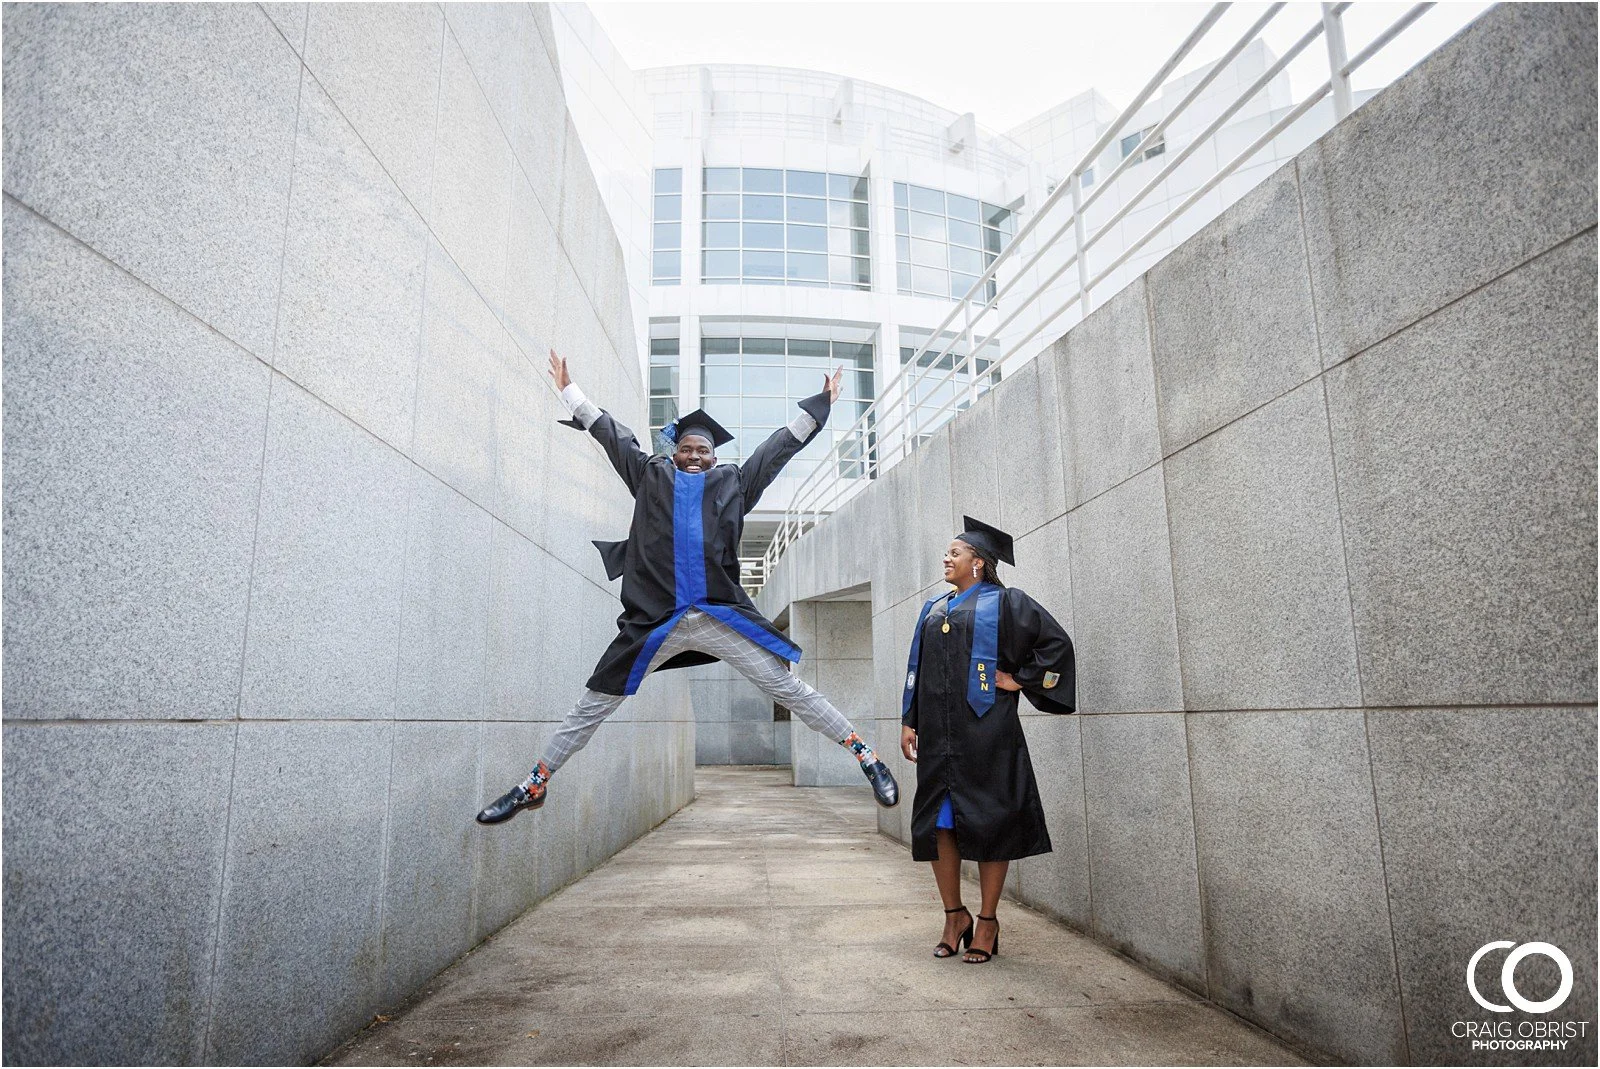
(885, 279)
(691, 245)
(688, 363)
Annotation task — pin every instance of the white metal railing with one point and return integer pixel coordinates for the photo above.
(900, 419)
(752, 573)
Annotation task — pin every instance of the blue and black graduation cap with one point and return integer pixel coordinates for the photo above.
(697, 422)
(990, 540)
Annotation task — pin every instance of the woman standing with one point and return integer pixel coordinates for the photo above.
(973, 650)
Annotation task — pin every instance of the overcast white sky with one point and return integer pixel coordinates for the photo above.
(1005, 61)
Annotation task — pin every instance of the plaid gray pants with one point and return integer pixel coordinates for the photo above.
(697, 631)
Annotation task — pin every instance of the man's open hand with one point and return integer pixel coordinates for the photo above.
(558, 371)
(833, 384)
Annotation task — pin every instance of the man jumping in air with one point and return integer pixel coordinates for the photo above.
(681, 598)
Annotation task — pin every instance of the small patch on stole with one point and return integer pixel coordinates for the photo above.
(1051, 679)
(911, 680)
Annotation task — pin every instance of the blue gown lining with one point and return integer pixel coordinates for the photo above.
(947, 813)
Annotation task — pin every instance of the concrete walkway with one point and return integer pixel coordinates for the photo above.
(748, 929)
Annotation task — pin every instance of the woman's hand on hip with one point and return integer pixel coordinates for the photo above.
(908, 743)
(1004, 681)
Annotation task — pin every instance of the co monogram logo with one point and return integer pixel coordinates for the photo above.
(1508, 982)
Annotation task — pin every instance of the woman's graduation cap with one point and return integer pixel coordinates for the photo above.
(697, 422)
(990, 540)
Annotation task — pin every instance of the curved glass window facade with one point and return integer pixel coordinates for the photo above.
(944, 241)
(767, 226)
(750, 385)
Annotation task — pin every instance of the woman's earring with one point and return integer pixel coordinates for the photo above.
(974, 571)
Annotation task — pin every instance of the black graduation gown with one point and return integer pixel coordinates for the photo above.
(982, 763)
(676, 558)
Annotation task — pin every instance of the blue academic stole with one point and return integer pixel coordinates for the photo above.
(985, 647)
(689, 572)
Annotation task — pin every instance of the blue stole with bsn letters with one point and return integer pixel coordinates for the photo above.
(985, 646)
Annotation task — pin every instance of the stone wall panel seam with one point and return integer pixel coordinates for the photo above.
(1268, 403)
(135, 276)
(478, 842)
(438, 113)
(422, 329)
(1419, 320)
(255, 540)
(450, 31)
(1388, 897)
(356, 130)
(1177, 616)
(288, 208)
(1121, 483)
(222, 883)
(1317, 313)
(1199, 863)
(299, 49)
(381, 961)
(1344, 545)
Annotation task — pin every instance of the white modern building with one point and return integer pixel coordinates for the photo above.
(791, 221)
(805, 221)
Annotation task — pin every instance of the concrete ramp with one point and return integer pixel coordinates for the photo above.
(769, 925)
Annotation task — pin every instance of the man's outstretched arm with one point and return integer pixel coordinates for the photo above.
(623, 449)
(768, 459)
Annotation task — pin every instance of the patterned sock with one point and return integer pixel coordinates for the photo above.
(860, 749)
(536, 780)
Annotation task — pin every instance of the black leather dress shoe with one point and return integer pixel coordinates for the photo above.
(884, 787)
(509, 804)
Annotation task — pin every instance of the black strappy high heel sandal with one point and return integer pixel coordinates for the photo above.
(945, 950)
(987, 954)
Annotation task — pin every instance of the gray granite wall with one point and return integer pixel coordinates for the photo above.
(297, 563)
(1316, 499)
(734, 722)
(837, 639)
